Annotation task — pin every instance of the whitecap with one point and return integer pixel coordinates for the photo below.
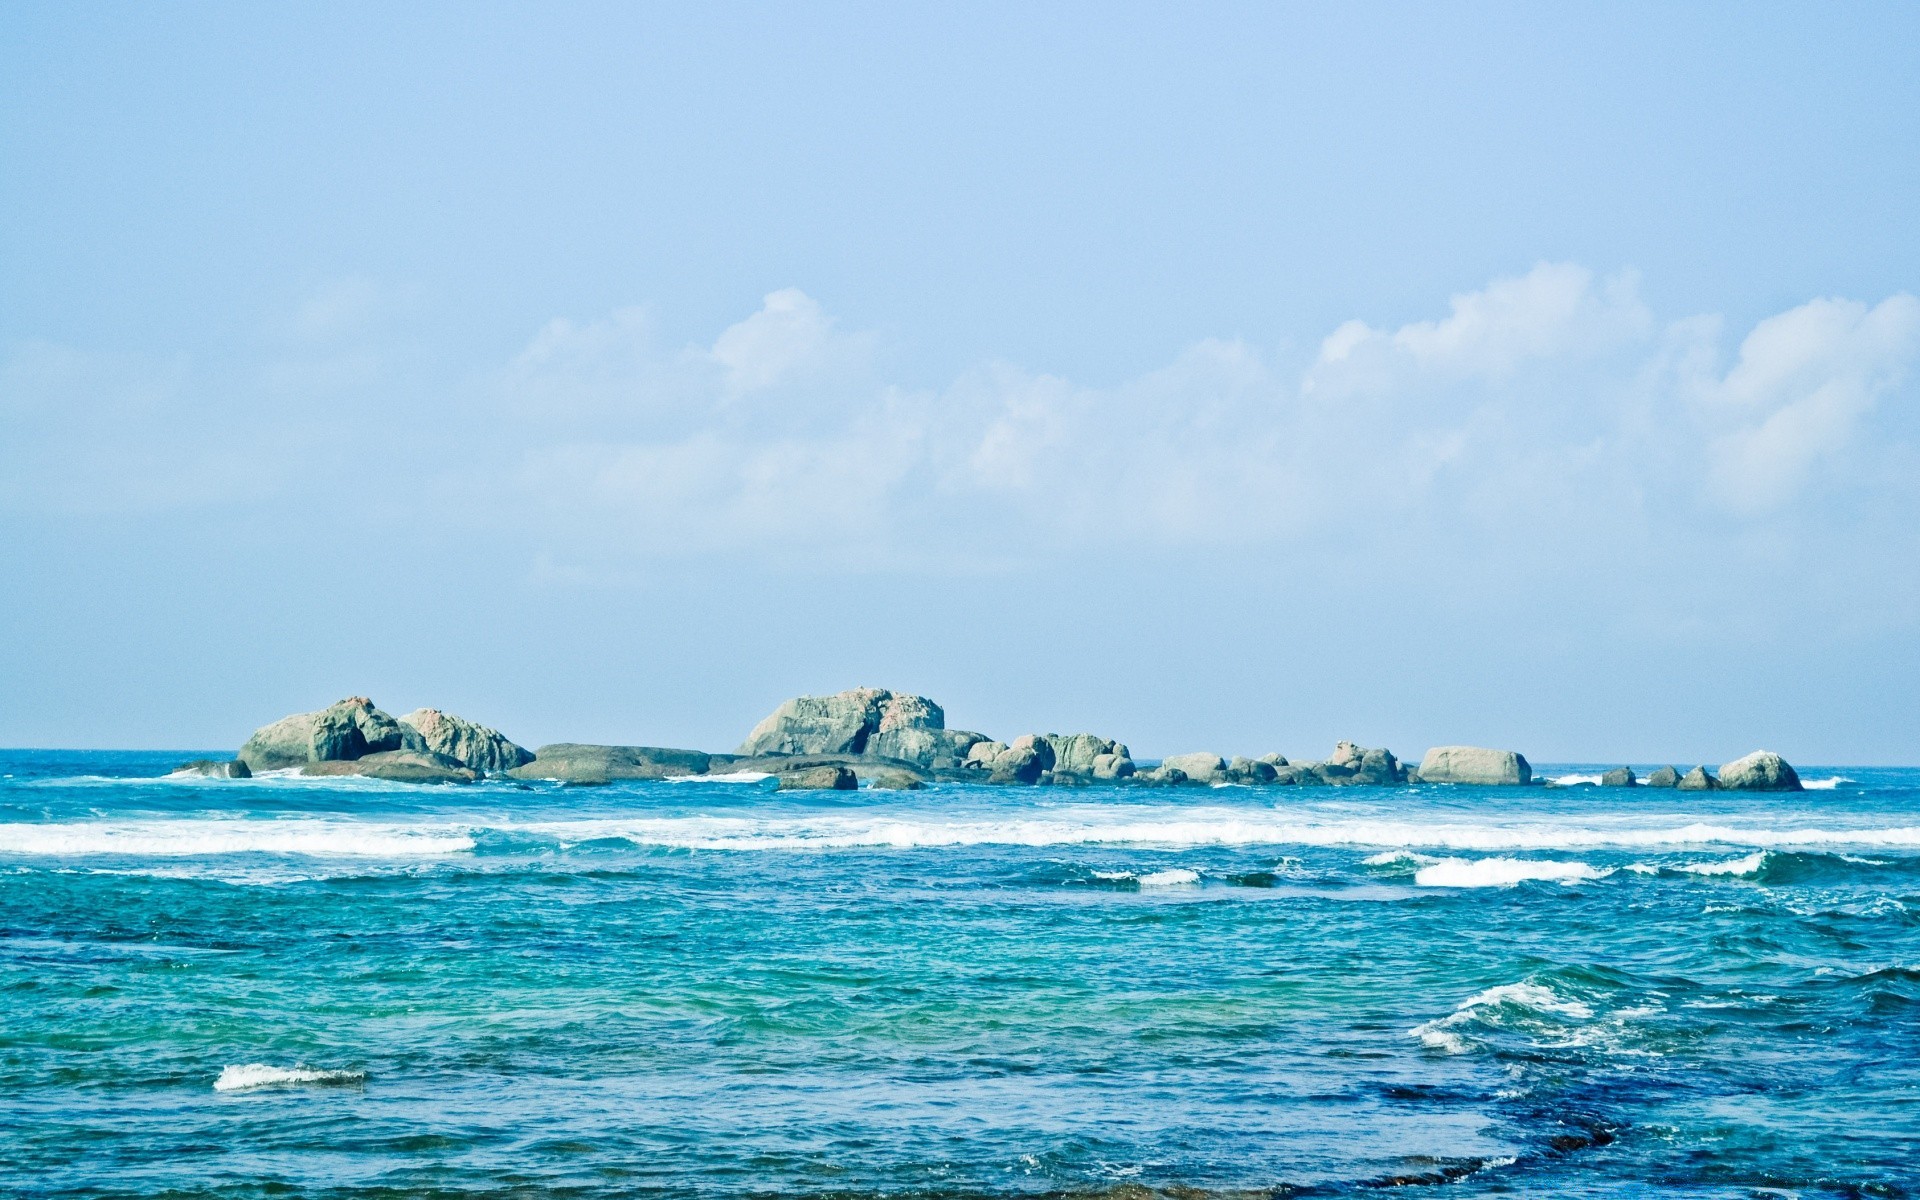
(1735, 866)
(723, 777)
(1174, 877)
(1442, 1032)
(1501, 872)
(314, 837)
(1576, 780)
(257, 1075)
(1825, 785)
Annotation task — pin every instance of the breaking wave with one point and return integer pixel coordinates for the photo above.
(1501, 872)
(258, 1075)
(201, 836)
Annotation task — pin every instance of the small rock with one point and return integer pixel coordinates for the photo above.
(1618, 777)
(1697, 780)
(818, 779)
(215, 768)
(894, 781)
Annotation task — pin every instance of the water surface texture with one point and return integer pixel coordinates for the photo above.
(345, 988)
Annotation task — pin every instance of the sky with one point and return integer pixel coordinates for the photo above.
(1240, 378)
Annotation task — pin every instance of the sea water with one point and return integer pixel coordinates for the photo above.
(343, 988)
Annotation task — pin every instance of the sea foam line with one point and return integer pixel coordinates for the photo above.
(244, 1076)
(202, 836)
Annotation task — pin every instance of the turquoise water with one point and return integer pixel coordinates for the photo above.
(710, 989)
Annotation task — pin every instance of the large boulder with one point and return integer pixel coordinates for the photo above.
(818, 779)
(871, 721)
(1697, 780)
(1112, 766)
(1761, 771)
(1475, 764)
(470, 745)
(1199, 767)
(1025, 760)
(980, 755)
(398, 766)
(1618, 777)
(1355, 764)
(572, 762)
(339, 733)
(1663, 777)
(1075, 753)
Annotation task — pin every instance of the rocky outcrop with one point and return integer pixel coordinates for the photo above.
(889, 780)
(1475, 765)
(1618, 777)
(818, 779)
(1113, 767)
(399, 766)
(575, 763)
(1697, 780)
(339, 733)
(1199, 767)
(1241, 769)
(1663, 777)
(1025, 760)
(469, 744)
(870, 721)
(1354, 764)
(215, 768)
(1761, 771)
(1075, 753)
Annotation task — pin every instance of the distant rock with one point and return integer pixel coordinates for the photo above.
(1475, 764)
(871, 721)
(572, 762)
(469, 744)
(1697, 780)
(1113, 766)
(1618, 777)
(1356, 764)
(1162, 776)
(818, 779)
(1241, 769)
(980, 755)
(1663, 777)
(1199, 767)
(342, 732)
(400, 766)
(1024, 761)
(215, 768)
(894, 781)
(1075, 753)
(1761, 771)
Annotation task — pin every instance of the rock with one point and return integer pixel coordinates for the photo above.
(1112, 766)
(400, 766)
(215, 768)
(341, 732)
(1618, 777)
(1273, 760)
(1761, 771)
(470, 745)
(1475, 764)
(818, 779)
(571, 762)
(1355, 764)
(1663, 777)
(1697, 780)
(1024, 761)
(871, 721)
(980, 755)
(1075, 752)
(894, 781)
(1163, 776)
(1201, 767)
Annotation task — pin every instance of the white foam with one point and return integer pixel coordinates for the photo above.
(1439, 1034)
(1824, 785)
(258, 1075)
(203, 836)
(1573, 780)
(723, 777)
(1737, 866)
(1175, 877)
(1500, 872)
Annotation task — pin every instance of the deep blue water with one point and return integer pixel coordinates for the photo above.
(716, 990)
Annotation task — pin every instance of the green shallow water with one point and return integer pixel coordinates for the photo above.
(716, 990)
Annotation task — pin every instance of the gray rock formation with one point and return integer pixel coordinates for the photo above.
(1618, 777)
(818, 779)
(1199, 767)
(1162, 776)
(571, 762)
(1112, 766)
(1076, 752)
(893, 781)
(341, 732)
(400, 766)
(1241, 769)
(1761, 771)
(470, 745)
(1663, 777)
(1697, 780)
(1475, 764)
(1355, 764)
(215, 768)
(863, 721)
(1024, 761)
(980, 755)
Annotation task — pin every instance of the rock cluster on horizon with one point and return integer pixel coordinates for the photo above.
(353, 737)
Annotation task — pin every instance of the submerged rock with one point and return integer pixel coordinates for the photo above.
(1761, 771)
(215, 768)
(894, 781)
(1618, 777)
(1476, 765)
(1663, 777)
(400, 766)
(818, 779)
(572, 762)
(1697, 780)
(870, 721)
(469, 744)
(341, 732)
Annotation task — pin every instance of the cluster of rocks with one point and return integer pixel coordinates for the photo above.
(882, 738)
(1761, 771)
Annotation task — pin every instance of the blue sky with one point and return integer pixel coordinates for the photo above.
(1219, 377)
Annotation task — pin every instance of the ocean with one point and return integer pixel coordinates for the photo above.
(345, 988)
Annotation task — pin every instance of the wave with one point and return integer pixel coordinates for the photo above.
(725, 777)
(202, 836)
(1750, 865)
(1824, 785)
(258, 1075)
(1525, 1000)
(1575, 780)
(1501, 872)
(1171, 877)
